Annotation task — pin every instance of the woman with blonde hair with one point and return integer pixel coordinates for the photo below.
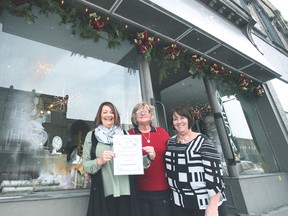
(153, 187)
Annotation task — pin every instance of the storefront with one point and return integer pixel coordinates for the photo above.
(53, 80)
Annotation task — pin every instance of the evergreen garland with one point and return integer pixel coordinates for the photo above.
(93, 26)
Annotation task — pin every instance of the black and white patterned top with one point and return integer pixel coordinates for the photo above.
(194, 172)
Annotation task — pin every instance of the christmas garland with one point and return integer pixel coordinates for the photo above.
(93, 26)
(199, 111)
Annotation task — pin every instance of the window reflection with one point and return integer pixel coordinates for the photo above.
(50, 97)
(246, 153)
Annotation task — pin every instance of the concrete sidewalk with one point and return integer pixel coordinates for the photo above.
(282, 211)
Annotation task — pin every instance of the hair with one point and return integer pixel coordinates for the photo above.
(184, 111)
(98, 121)
(141, 105)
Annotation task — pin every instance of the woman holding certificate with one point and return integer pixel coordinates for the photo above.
(110, 195)
(153, 187)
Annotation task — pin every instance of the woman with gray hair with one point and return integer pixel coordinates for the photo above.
(153, 186)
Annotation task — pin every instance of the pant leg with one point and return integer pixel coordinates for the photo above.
(118, 206)
(145, 207)
(179, 211)
(222, 210)
(111, 206)
(124, 206)
(155, 203)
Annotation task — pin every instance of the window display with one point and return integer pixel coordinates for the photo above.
(49, 100)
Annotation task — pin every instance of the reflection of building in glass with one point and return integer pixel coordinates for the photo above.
(211, 132)
(250, 162)
(24, 116)
(29, 122)
(248, 150)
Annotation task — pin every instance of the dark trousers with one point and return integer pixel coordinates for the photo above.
(177, 211)
(154, 203)
(118, 206)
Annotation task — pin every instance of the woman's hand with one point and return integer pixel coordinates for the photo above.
(150, 151)
(106, 156)
(212, 208)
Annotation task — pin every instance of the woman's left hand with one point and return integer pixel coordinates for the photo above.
(211, 211)
(150, 151)
(212, 208)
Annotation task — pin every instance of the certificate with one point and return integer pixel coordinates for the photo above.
(128, 155)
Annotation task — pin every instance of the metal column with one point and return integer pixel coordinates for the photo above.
(224, 140)
(146, 84)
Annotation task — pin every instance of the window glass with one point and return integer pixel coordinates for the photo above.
(48, 102)
(281, 89)
(247, 138)
(267, 24)
(198, 103)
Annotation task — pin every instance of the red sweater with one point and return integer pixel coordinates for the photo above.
(154, 178)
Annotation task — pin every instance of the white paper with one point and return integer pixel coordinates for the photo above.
(128, 155)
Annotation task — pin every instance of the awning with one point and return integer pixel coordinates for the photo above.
(195, 26)
(275, 57)
(232, 46)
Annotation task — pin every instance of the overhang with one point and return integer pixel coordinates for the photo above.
(196, 27)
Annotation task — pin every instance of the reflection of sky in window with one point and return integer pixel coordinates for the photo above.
(236, 118)
(28, 65)
(281, 89)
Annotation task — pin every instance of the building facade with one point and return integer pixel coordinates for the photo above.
(61, 60)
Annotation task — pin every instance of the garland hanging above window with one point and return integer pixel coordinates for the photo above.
(94, 26)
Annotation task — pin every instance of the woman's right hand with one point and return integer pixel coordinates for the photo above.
(150, 151)
(105, 157)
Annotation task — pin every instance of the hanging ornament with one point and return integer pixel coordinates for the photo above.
(95, 22)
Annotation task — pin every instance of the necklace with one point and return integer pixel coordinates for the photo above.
(148, 139)
(186, 139)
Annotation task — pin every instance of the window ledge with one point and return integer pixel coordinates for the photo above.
(62, 194)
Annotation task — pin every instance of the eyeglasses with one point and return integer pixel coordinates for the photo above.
(142, 111)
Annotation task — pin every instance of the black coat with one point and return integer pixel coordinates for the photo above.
(97, 204)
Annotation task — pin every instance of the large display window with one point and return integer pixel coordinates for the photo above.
(247, 137)
(49, 96)
(248, 142)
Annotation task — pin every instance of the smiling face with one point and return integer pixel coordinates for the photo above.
(143, 116)
(180, 123)
(107, 116)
